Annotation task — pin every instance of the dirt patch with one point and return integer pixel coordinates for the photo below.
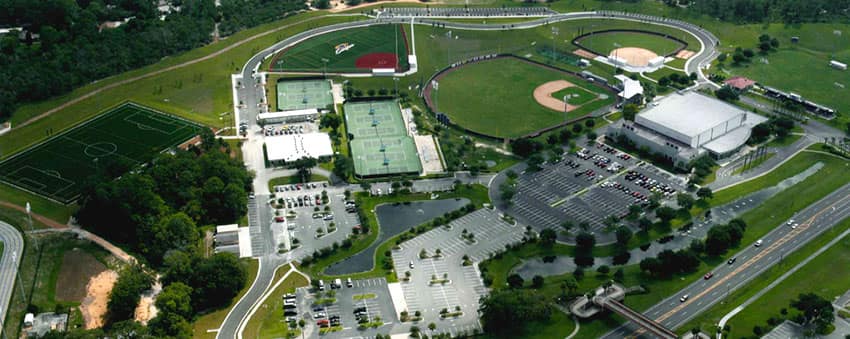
(78, 268)
(584, 54)
(377, 60)
(93, 307)
(146, 310)
(685, 54)
(634, 56)
(543, 95)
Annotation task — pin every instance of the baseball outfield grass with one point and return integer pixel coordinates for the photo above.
(494, 97)
(605, 42)
(577, 95)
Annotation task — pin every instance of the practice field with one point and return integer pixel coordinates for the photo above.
(304, 94)
(382, 46)
(129, 133)
(380, 143)
(603, 43)
(495, 97)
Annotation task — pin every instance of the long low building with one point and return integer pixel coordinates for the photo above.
(298, 115)
(285, 148)
(684, 126)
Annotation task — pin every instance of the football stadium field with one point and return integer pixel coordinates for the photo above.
(128, 134)
(380, 143)
(350, 50)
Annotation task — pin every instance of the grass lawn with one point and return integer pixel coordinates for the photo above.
(605, 42)
(797, 164)
(833, 263)
(214, 319)
(677, 63)
(268, 321)
(295, 179)
(784, 142)
(129, 133)
(662, 72)
(469, 94)
(308, 55)
(50, 209)
(577, 95)
(477, 195)
(40, 273)
(753, 164)
(199, 92)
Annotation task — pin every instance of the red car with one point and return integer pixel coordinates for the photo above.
(708, 275)
(323, 323)
(279, 219)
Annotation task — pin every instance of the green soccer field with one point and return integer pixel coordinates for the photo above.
(495, 97)
(308, 55)
(130, 134)
(605, 42)
(380, 144)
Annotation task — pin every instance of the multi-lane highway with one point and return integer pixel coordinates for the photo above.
(248, 95)
(749, 263)
(13, 248)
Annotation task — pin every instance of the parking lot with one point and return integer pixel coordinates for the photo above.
(425, 290)
(307, 219)
(366, 302)
(589, 186)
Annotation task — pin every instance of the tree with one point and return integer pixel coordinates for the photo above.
(629, 112)
(685, 201)
(534, 162)
(644, 223)
(624, 234)
(124, 297)
(585, 240)
(816, 311)
(665, 214)
(343, 166)
(548, 237)
(217, 280)
(506, 311)
(705, 193)
(304, 166)
(524, 147)
(537, 282)
(603, 270)
(432, 327)
(567, 225)
(176, 298)
(515, 281)
(174, 232)
(726, 93)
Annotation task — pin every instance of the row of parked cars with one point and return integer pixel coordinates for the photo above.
(640, 198)
(283, 130)
(303, 201)
(298, 187)
(652, 185)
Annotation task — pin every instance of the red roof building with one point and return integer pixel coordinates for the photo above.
(739, 83)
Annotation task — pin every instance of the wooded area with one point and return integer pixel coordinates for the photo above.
(74, 47)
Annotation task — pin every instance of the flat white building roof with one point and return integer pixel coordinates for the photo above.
(690, 113)
(630, 87)
(296, 146)
(286, 114)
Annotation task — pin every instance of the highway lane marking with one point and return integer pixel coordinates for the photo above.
(770, 248)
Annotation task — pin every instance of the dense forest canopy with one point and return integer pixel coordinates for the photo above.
(74, 47)
(786, 11)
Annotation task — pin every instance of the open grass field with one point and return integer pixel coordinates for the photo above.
(380, 143)
(833, 263)
(605, 42)
(494, 97)
(309, 54)
(129, 134)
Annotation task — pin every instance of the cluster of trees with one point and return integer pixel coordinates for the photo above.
(786, 11)
(584, 249)
(156, 209)
(816, 312)
(677, 80)
(506, 312)
(723, 237)
(780, 126)
(702, 167)
(74, 50)
(727, 93)
(767, 43)
(670, 262)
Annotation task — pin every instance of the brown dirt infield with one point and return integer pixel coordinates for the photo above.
(634, 56)
(543, 95)
(377, 60)
(93, 307)
(584, 54)
(685, 54)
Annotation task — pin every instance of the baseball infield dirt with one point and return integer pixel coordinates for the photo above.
(543, 95)
(584, 54)
(637, 57)
(685, 54)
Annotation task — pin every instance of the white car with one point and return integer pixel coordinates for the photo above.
(759, 242)
(794, 225)
(684, 298)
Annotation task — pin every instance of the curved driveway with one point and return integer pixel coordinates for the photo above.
(249, 94)
(13, 247)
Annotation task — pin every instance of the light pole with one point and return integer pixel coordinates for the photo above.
(325, 67)
(565, 108)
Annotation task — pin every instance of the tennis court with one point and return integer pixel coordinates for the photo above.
(304, 94)
(380, 143)
(129, 134)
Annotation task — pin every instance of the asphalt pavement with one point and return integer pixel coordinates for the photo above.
(750, 262)
(13, 249)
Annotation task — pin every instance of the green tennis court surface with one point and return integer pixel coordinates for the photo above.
(380, 143)
(129, 134)
(304, 94)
